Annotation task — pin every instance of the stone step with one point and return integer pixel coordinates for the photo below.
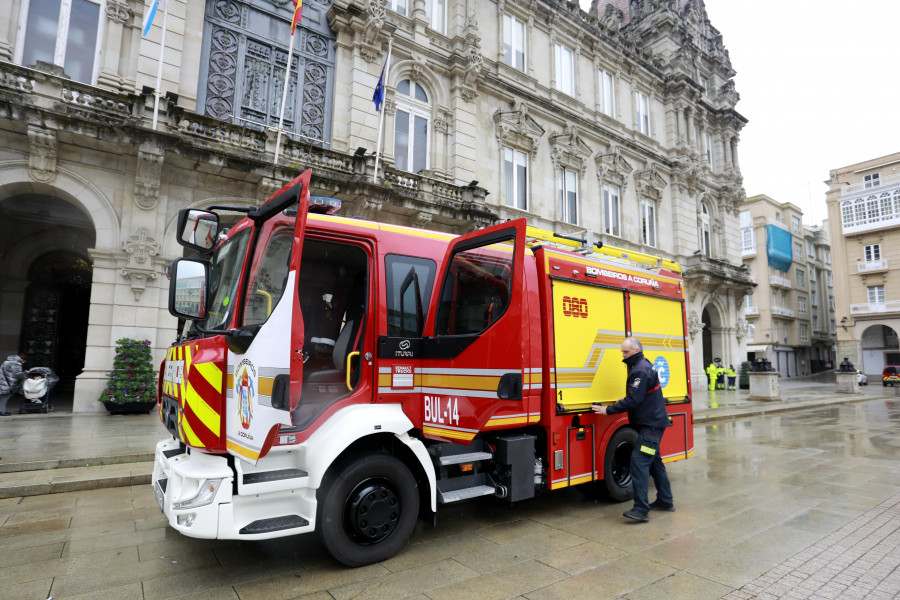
(74, 479)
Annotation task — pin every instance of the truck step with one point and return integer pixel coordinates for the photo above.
(274, 524)
(456, 459)
(266, 476)
(466, 493)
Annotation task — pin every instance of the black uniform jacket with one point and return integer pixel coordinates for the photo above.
(643, 399)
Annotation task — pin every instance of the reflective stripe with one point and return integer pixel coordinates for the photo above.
(654, 389)
(648, 450)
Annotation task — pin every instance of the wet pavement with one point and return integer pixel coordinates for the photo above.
(764, 506)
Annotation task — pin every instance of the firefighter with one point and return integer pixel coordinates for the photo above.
(711, 376)
(732, 377)
(647, 413)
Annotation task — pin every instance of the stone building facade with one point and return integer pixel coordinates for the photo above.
(614, 125)
(864, 215)
(791, 312)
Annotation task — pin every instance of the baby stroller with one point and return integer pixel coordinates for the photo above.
(36, 390)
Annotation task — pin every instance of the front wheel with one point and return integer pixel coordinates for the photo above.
(617, 464)
(368, 509)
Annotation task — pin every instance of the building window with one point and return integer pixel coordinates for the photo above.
(567, 184)
(398, 6)
(747, 240)
(514, 42)
(804, 332)
(810, 249)
(63, 32)
(828, 258)
(812, 275)
(436, 11)
(704, 230)
(829, 279)
(833, 327)
(748, 301)
(746, 220)
(642, 112)
(830, 302)
(516, 171)
(815, 322)
(708, 153)
(795, 224)
(611, 210)
(565, 69)
(872, 253)
(411, 129)
(607, 93)
(648, 222)
(774, 299)
(813, 298)
(801, 305)
(798, 249)
(876, 294)
(801, 278)
(873, 180)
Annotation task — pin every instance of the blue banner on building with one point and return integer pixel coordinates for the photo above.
(779, 247)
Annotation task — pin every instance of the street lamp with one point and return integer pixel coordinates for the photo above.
(844, 323)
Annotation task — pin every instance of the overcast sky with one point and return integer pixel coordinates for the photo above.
(819, 84)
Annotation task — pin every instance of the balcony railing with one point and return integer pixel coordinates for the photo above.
(751, 311)
(875, 307)
(783, 312)
(871, 266)
(866, 186)
(780, 281)
(748, 252)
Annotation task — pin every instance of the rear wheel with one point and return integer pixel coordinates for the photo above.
(368, 509)
(617, 464)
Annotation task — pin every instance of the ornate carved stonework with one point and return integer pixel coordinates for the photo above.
(517, 128)
(370, 208)
(118, 11)
(613, 168)
(138, 279)
(42, 156)
(147, 176)
(567, 149)
(421, 220)
(140, 249)
(686, 176)
(266, 188)
(649, 183)
(695, 324)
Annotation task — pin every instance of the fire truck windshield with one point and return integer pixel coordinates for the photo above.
(224, 275)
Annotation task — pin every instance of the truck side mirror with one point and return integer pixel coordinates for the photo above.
(188, 283)
(197, 229)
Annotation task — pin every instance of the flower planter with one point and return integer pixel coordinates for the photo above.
(129, 408)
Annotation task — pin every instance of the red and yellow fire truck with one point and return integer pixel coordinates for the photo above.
(349, 377)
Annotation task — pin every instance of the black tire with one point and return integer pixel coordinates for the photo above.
(368, 509)
(617, 464)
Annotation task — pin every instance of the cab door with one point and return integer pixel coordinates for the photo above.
(265, 365)
(471, 372)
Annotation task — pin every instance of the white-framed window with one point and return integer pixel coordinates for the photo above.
(801, 278)
(804, 332)
(746, 220)
(708, 153)
(815, 322)
(436, 11)
(642, 112)
(872, 180)
(830, 302)
(748, 301)
(399, 6)
(833, 327)
(775, 299)
(798, 249)
(411, 127)
(827, 257)
(813, 298)
(795, 224)
(515, 165)
(705, 242)
(876, 294)
(65, 33)
(810, 249)
(812, 275)
(514, 42)
(829, 279)
(747, 239)
(565, 69)
(872, 252)
(606, 93)
(611, 210)
(801, 305)
(567, 186)
(648, 222)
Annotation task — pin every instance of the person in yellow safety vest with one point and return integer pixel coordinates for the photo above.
(732, 377)
(720, 376)
(711, 374)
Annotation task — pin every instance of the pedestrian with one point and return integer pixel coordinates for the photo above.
(11, 376)
(732, 377)
(646, 410)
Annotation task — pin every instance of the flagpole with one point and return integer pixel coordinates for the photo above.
(287, 74)
(387, 69)
(159, 68)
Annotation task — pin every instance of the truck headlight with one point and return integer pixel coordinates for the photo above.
(204, 496)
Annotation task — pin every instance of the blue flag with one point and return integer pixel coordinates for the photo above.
(151, 14)
(378, 96)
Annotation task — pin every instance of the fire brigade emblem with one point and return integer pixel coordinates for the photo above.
(636, 383)
(245, 391)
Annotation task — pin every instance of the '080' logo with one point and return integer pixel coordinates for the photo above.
(575, 307)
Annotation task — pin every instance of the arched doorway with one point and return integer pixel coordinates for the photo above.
(879, 347)
(712, 331)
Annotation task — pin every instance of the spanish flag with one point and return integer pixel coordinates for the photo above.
(298, 8)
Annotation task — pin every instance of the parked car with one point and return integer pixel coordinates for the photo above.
(890, 375)
(862, 378)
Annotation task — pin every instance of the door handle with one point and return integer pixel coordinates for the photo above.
(349, 358)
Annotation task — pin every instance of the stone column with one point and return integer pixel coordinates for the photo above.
(118, 15)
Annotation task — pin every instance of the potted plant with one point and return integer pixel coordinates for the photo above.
(131, 387)
(744, 376)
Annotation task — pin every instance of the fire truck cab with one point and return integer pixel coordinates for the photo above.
(348, 376)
